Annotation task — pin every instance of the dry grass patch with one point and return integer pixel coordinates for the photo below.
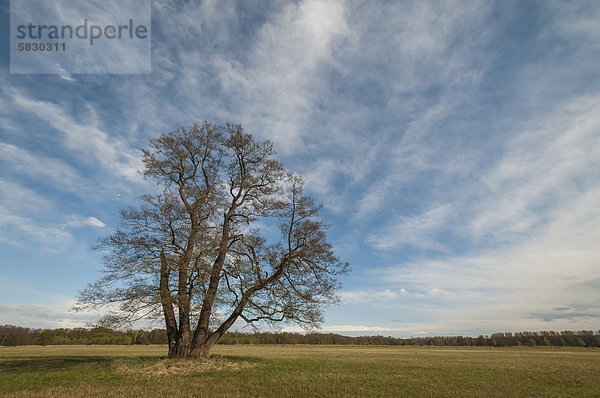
(182, 367)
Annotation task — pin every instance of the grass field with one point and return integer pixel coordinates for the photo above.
(298, 371)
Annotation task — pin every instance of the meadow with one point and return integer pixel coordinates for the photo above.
(300, 371)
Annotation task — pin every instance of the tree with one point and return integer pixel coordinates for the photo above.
(202, 252)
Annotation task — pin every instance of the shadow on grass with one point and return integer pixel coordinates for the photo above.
(57, 363)
(60, 363)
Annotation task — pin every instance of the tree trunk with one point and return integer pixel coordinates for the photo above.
(166, 300)
(201, 334)
(202, 351)
(183, 346)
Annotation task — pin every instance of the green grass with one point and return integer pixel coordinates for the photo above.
(140, 371)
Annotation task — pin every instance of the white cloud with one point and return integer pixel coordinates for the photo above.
(431, 52)
(544, 166)
(23, 219)
(39, 316)
(578, 22)
(64, 75)
(88, 141)
(531, 223)
(542, 169)
(364, 330)
(94, 222)
(67, 77)
(353, 329)
(41, 168)
(276, 90)
(77, 221)
(417, 231)
(28, 219)
(371, 297)
(559, 267)
(23, 232)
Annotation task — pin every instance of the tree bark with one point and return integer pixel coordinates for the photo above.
(165, 297)
(201, 333)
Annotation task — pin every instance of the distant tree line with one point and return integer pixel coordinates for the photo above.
(15, 335)
(582, 338)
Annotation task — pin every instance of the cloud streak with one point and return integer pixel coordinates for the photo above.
(50, 317)
(87, 140)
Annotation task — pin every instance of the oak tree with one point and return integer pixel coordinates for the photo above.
(229, 236)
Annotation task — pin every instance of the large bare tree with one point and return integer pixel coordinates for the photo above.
(230, 236)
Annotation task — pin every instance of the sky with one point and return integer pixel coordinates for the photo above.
(455, 146)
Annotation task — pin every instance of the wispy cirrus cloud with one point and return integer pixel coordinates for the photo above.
(556, 268)
(549, 164)
(372, 297)
(27, 219)
(277, 88)
(417, 231)
(360, 330)
(41, 168)
(87, 140)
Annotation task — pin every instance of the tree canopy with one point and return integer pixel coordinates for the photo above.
(230, 235)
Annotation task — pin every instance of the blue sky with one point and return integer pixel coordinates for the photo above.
(455, 146)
